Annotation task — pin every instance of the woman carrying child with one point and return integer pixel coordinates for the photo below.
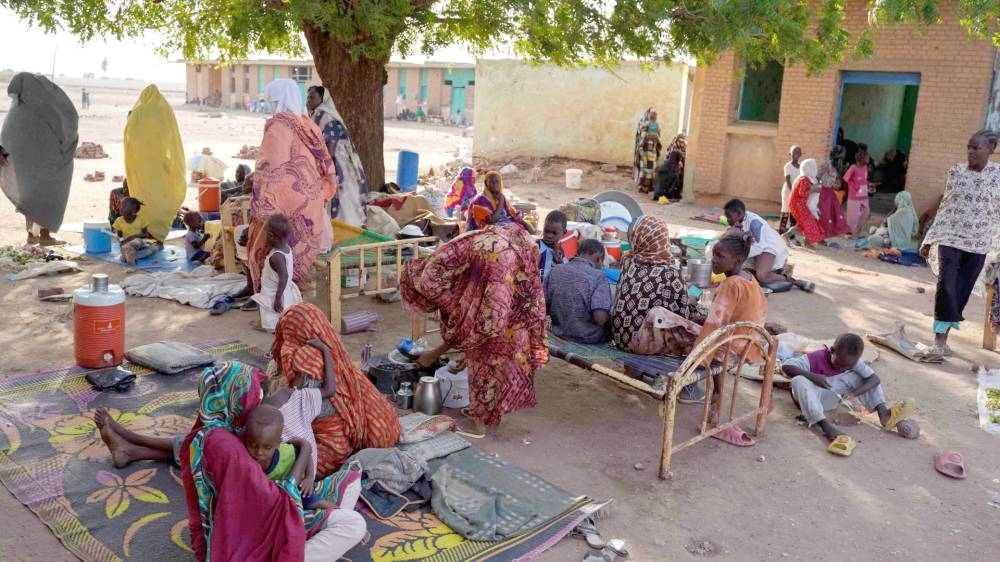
(277, 291)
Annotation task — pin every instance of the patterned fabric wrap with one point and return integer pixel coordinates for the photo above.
(463, 190)
(488, 290)
(797, 202)
(482, 207)
(641, 288)
(650, 239)
(349, 204)
(363, 418)
(294, 176)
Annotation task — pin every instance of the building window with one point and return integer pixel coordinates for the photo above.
(246, 78)
(232, 82)
(302, 73)
(402, 83)
(760, 92)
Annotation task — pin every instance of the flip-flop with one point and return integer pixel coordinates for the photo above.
(898, 412)
(219, 308)
(842, 445)
(250, 306)
(587, 530)
(599, 555)
(808, 286)
(735, 436)
(951, 464)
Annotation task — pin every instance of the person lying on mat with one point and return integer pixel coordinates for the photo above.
(768, 251)
(827, 377)
(578, 296)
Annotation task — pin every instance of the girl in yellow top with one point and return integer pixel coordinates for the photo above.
(133, 233)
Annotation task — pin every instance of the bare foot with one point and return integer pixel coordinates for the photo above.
(117, 444)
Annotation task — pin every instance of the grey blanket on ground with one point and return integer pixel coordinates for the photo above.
(168, 357)
(484, 498)
(40, 134)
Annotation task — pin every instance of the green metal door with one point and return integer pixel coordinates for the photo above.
(458, 102)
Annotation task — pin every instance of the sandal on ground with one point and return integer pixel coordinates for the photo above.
(735, 436)
(942, 350)
(842, 445)
(617, 546)
(599, 555)
(898, 412)
(951, 464)
(250, 306)
(220, 307)
(808, 286)
(587, 530)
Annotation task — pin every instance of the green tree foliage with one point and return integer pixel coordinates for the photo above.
(350, 38)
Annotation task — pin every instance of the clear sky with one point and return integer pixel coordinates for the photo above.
(25, 49)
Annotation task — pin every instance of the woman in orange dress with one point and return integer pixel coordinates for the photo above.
(808, 224)
(362, 417)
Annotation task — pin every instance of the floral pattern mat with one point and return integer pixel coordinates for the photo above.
(53, 460)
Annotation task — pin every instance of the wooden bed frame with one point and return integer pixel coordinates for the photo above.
(739, 335)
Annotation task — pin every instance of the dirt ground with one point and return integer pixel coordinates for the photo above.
(785, 498)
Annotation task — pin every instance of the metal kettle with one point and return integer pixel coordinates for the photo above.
(428, 399)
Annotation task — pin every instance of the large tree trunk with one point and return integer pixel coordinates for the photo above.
(356, 89)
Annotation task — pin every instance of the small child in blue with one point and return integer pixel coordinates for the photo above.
(194, 240)
(551, 253)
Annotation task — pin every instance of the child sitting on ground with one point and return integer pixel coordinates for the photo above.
(133, 233)
(824, 378)
(553, 231)
(194, 240)
(277, 291)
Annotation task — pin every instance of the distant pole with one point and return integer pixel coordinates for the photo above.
(54, 53)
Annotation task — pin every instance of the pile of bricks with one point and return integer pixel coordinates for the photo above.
(248, 153)
(96, 176)
(90, 150)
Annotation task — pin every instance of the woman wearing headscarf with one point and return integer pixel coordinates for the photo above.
(965, 229)
(650, 278)
(806, 184)
(904, 226)
(351, 199)
(492, 206)
(463, 191)
(831, 215)
(487, 289)
(362, 417)
(294, 176)
(37, 146)
(234, 511)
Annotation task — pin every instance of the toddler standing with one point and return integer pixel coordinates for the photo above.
(788, 175)
(277, 291)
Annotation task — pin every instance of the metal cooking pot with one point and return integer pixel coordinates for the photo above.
(700, 272)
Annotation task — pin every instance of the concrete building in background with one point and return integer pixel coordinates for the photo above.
(443, 90)
(924, 92)
(586, 113)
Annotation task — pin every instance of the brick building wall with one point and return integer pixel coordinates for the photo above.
(955, 77)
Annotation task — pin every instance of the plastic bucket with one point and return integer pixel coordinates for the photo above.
(96, 236)
(407, 170)
(574, 178)
(209, 195)
(570, 244)
(613, 248)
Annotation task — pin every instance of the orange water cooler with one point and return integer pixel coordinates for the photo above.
(99, 324)
(209, 195)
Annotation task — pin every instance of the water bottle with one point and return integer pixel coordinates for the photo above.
(404, 396)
